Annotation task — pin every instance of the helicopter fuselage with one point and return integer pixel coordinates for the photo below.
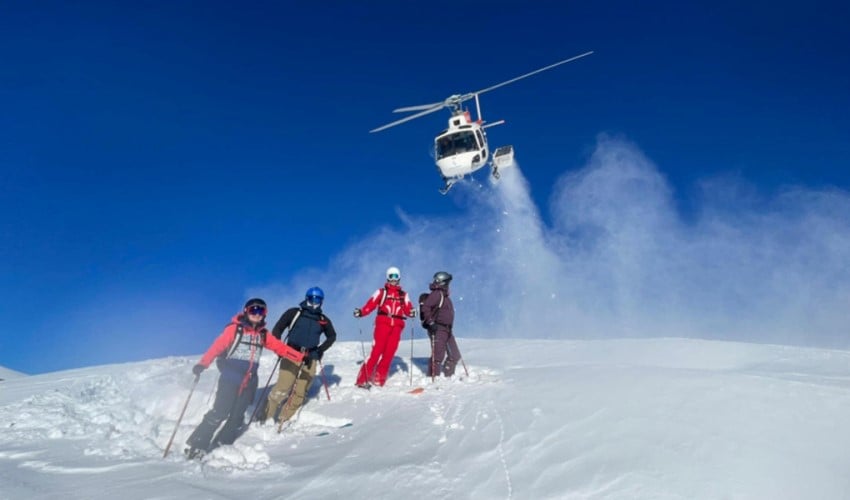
(462, 148)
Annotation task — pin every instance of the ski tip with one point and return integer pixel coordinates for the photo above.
(418, 390)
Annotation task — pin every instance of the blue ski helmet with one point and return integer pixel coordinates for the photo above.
(315, 296)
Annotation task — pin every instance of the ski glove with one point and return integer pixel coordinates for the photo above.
(198, 369)
(413, 313)
(357, 312)
(314, 354)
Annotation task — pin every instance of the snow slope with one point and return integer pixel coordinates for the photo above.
(664, 418)
(6, 373)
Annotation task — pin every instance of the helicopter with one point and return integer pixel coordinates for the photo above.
(462, 148)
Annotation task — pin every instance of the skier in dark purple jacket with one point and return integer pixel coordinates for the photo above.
(438, 316)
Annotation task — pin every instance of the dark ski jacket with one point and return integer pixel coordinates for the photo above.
(434, 316)
(307, 330)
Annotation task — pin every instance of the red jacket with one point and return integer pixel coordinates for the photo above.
(392, 302)
(248, 351)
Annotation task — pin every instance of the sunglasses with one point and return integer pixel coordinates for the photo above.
(257, 310)
(393, 277)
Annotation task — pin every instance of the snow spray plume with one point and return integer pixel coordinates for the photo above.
(620, 261)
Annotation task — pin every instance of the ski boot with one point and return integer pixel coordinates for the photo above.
(194, 453)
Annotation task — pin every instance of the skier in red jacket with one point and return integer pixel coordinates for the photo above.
(393, 305)
(237, 353)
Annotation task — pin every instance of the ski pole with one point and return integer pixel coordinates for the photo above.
(265, 393)
(289, 396)
(362, 345)
(410, 367)
(177, 425)
(324, 382)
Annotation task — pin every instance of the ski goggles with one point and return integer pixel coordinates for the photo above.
(315, 300)
(393, 277)
(257, 310)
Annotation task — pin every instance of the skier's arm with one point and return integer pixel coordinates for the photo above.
(372, 303)
(330, 336)
(407, 307)
(219, 345)
(282, 349)
(284, 322)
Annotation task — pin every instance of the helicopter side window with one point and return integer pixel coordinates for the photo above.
(465, 142)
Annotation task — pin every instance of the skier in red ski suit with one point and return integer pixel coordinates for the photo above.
(393, 305)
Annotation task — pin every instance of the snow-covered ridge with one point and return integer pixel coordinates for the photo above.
(665, 418)
(6, 373)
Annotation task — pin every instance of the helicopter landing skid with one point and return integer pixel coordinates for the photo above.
(449, 184)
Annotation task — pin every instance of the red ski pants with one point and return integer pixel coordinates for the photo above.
(386, 338)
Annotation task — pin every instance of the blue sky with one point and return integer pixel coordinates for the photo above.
(160, 162)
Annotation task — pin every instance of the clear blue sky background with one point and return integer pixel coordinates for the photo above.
(159, 160)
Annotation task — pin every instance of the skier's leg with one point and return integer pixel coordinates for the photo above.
(440, 338)
(301, 386)
(367, 371)
(230, 431)
(392, 339)
(453, 356)
(285, 378)
(224, 397)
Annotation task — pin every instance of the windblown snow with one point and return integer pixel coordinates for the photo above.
(664, 418)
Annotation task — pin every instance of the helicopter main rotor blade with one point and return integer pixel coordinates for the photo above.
(418, 107)
(512, 80)
(430, 110)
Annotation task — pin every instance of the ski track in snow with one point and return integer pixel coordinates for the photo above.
(501, 448)
(47, 467)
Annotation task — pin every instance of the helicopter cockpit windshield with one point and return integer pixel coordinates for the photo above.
(456, 143)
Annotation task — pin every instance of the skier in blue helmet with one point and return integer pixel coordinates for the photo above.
(304, 326)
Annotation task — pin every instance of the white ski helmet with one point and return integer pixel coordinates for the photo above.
(393, 274)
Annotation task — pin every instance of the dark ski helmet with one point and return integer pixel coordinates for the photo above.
(255, 302)
(315, 296)
(442, 278)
